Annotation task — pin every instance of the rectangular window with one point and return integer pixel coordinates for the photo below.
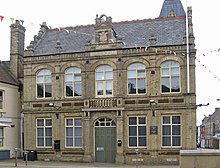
(73, 132)
(171, 131)
(44, 132)
(137, 131)
(1, 137)
(1, 100)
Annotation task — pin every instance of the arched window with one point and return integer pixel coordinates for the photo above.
(170, 77)
(136, 78)
(73, 82)
(43, 82)
(104, 81)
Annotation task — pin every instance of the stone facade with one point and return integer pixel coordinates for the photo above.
(107, 49)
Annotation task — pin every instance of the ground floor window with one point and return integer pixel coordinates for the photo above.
(1, 137)
(73, 128)
(171, 131)
(137, 131)
(44, 132)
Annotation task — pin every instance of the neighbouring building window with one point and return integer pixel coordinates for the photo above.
(1, 137)
(44, 132)
(1, 100)
(73, 132)
(104, 81)
(44, 86)
(73, 82)
(171, 131)
(136, 79)
(170, 77)
(137, 128)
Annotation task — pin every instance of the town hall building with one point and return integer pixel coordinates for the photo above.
(112, 91)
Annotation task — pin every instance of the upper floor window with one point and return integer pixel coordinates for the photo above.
(73, 82)
(170, 77)
(44, 132)
(1, 100)
(136, 79)
(104, 81)
(44, 86)
(171, 131)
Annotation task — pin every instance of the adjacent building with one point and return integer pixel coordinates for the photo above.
(112, 91)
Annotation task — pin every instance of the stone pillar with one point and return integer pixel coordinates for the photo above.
(119, 141)
(87, 138)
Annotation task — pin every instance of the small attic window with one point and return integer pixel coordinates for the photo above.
(172, 13)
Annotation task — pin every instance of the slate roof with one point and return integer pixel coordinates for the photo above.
(168, 30)
(5, 74)
(172, 5)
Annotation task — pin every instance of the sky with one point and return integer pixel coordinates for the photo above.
(72, 13)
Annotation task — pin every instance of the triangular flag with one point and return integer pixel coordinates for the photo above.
(1, 17)
(12, 20)
(22, 22)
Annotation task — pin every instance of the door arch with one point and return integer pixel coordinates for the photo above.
(105, 140)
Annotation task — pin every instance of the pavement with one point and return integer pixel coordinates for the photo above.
(54, 164)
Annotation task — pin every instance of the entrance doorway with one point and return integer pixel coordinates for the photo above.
(105, 140)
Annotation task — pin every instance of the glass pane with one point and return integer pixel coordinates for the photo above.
(48, 141)
(69, 131)
(131, 86)
(78, 141)
(69, 142)
(165, 64)
(100, 68)
(69, 70)
(48, 122)
(99, 88)
(69, 122)
(176, 119)
(40, 122)
(140, 66)
(175, 130)
(142, 131)
(176, 141)
(99, 76)
(165, 71)
(142, 141)
(40, 92)
(78, 122)
(48, 90)
(166, 141)
(76, 70)
(141, 73)
(166, 130)
(174, 64)
(69, 77)
(77, 89)
(165, 84)
(40, 141)
(78, 131)
(40, 132)
(132, 74)
(142, 120)
(107, 68)
(141, 86)
(69, 89)
(40, 79)
(48, 79)
(48, 131)
(47, 72)
(132, 120)
(109, 75)
(132, 141)
(109, 88)
(132, 66)
(77, 77)
(132, 131)
(166, 120)
(40, 73)
(175, 84)
(175, 71)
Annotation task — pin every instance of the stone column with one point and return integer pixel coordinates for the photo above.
(119, 141)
